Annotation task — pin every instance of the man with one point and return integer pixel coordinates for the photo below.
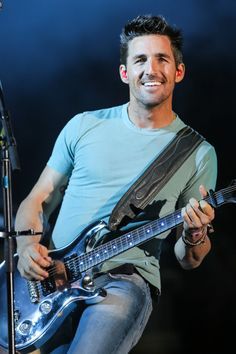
(96, 158)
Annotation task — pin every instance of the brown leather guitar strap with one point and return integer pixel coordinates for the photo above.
(155, 176)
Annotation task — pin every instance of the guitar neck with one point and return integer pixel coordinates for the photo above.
(223, 196)
(128, 240)
(145, 233)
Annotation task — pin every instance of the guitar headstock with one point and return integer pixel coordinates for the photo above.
(231, 192)
(223, 196)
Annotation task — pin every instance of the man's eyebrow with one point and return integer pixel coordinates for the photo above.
(158, 55)
(163, 55)
(138, 56)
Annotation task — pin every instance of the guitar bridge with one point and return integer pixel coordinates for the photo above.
(34, 290)
(57, 280)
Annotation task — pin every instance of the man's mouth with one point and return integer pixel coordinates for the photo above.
(152, 83)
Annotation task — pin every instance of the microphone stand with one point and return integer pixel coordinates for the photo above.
(9, 161)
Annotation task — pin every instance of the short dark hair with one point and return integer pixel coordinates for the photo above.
(148, 24)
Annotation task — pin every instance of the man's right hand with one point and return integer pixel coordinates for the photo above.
(33, 259)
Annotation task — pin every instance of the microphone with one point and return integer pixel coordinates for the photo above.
(7, 137)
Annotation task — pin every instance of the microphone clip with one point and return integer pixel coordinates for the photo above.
(30, 232)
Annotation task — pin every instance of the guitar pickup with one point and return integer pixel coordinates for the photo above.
(57, 279)
(72, 267)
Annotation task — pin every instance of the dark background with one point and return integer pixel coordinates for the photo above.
(61, 57)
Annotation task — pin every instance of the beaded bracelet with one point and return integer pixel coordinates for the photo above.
(210, 228)
(198, 242)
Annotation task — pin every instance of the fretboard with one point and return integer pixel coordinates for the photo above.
(128, 240)
(145, 233)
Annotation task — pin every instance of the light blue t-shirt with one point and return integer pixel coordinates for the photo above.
(103, 153)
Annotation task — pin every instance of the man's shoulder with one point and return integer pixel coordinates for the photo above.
(93, 117)
(206, 143)
(105, 113)
(87, 121)
(97, 115)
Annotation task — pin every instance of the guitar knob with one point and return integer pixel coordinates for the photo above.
(25, 327)
(45, 307)
(87, 282)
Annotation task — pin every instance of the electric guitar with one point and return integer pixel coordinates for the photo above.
(41, 306)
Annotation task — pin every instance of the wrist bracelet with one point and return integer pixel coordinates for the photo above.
(192, 244)
(210, 228)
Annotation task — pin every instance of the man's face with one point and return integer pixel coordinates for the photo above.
(151, 70)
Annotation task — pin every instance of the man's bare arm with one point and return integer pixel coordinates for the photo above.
(41, 201)
(194, 243)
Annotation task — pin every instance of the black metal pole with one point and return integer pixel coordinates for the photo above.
(10, 161)
(9, 246)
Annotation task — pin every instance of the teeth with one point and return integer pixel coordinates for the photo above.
(156, 83)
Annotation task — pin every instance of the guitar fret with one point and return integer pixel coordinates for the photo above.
(129, 240)
(219, 198)
(177, 218)
(144, 233)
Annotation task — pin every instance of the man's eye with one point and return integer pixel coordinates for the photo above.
(162, 59)
(140, 60)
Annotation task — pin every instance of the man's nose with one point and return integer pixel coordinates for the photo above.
(151, 66)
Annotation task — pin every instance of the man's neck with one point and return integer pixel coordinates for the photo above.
(151, 118)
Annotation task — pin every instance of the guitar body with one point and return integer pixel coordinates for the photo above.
(40, 310)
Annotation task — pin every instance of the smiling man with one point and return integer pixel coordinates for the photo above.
(151, 70)
(96, 158)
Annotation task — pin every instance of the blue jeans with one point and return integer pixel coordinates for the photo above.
(114, 325)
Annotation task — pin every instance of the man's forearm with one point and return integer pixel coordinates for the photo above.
(191, 256)
(29, 216)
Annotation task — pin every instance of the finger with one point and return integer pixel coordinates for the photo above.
(37, 271)
(37, 265)
(32, 276)
(42, 261)
(198, 218)
(207, 210)
(186, 217)
(202, 210)
(31, 272)
(203, 191)
(194, 217)
(195, 220)
(39, 254)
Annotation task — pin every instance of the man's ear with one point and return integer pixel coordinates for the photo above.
(123, 74)
(180, 73)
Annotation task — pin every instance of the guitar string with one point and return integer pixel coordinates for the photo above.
(82, 258)
(115, 245)
(119, 241)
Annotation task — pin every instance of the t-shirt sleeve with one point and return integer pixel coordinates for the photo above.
(205, 174)
(62, 157)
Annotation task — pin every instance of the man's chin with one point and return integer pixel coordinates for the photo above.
(152, 103)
